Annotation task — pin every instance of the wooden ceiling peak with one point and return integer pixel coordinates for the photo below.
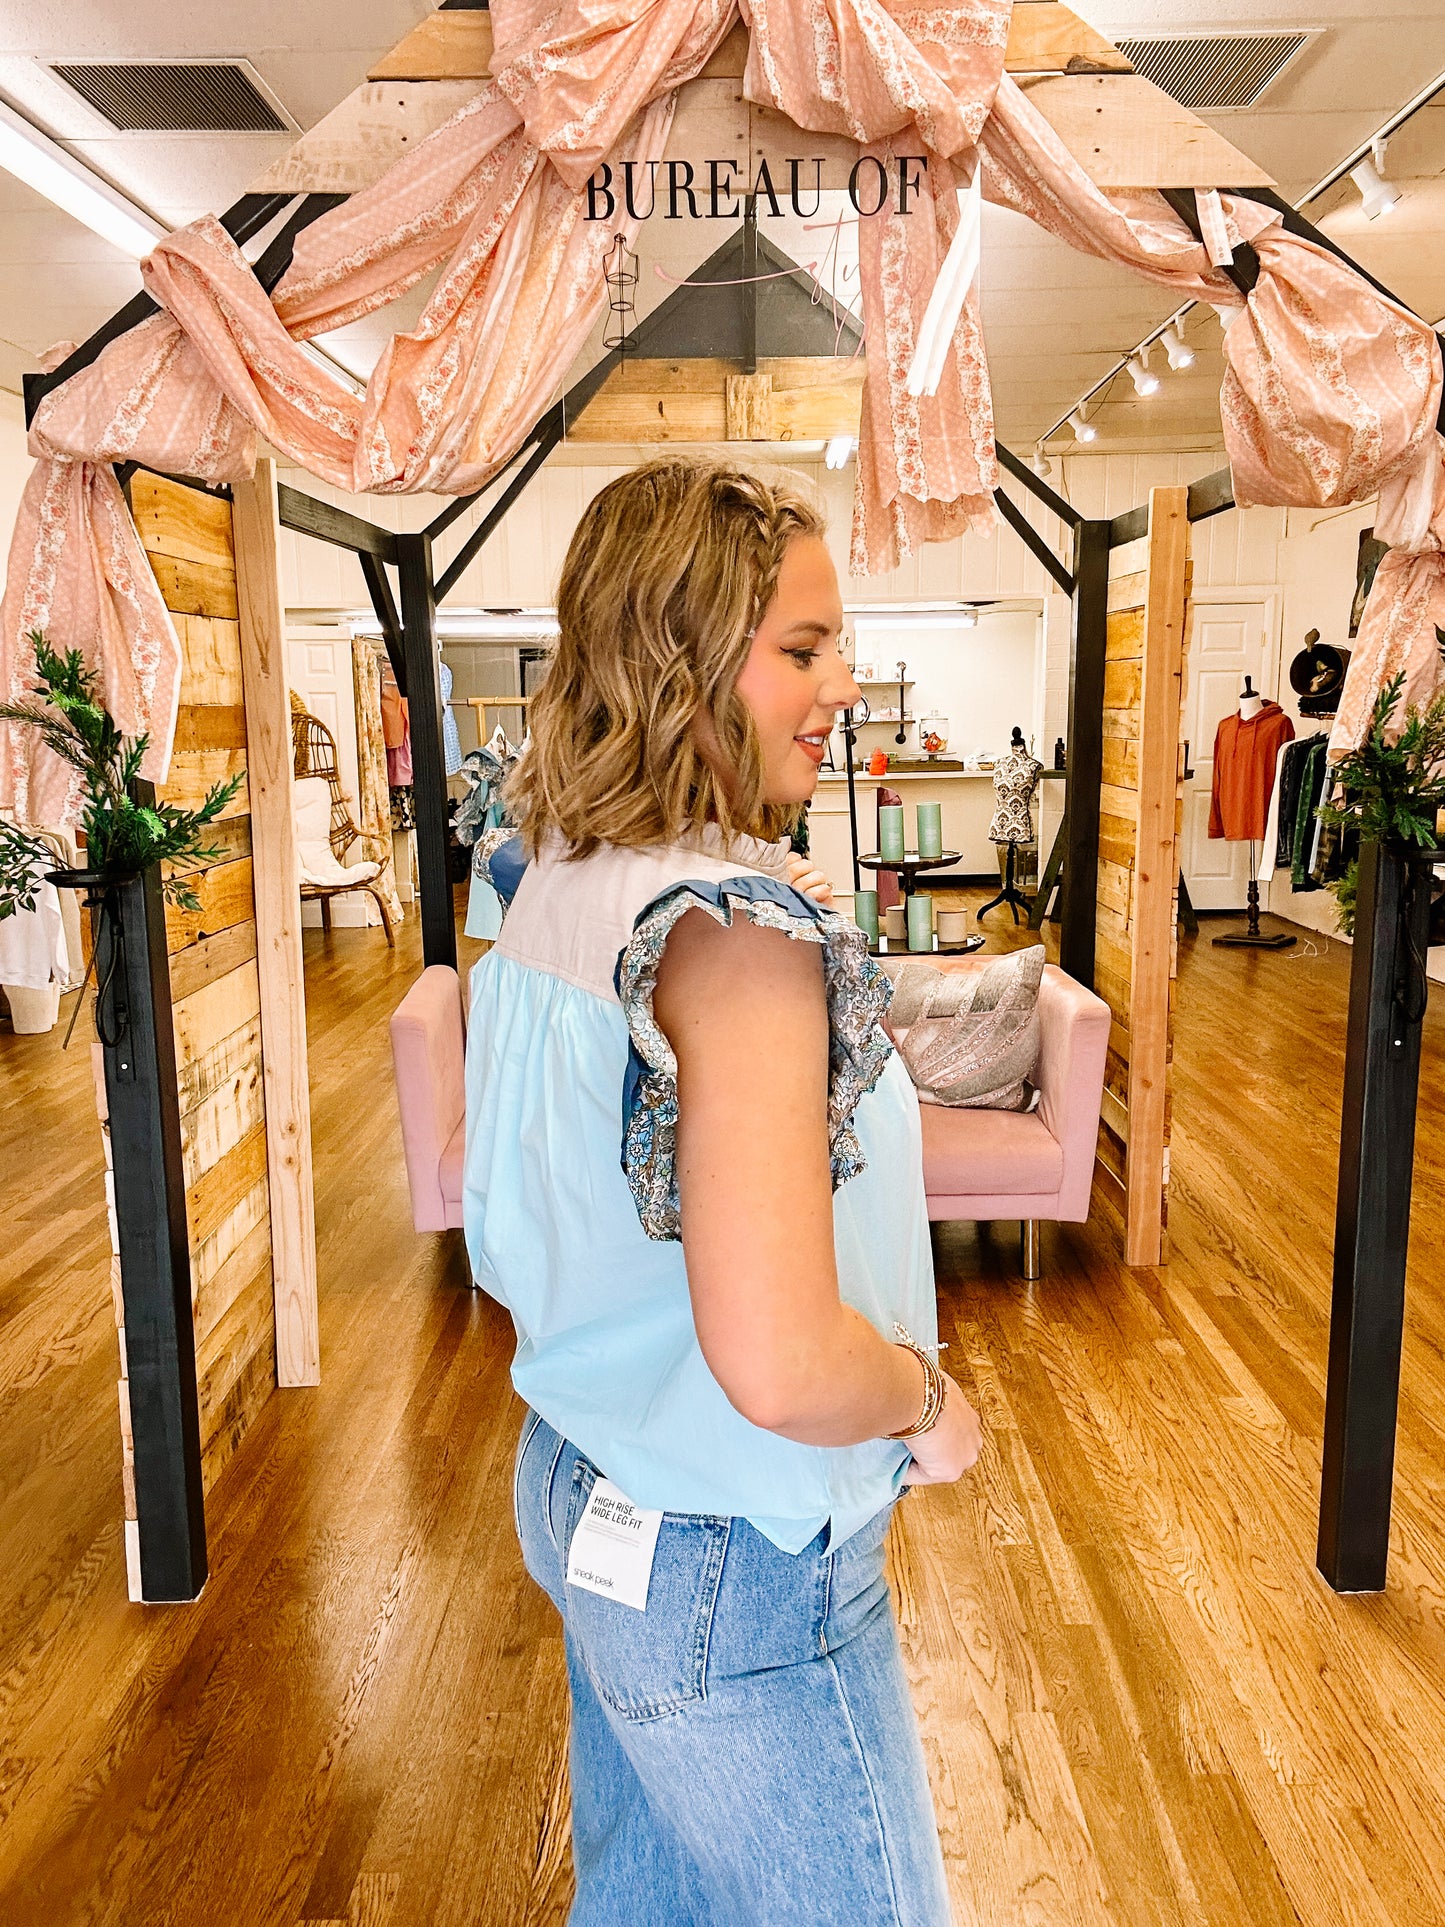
(1044, 38)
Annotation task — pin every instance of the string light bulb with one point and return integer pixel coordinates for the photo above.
(1176, 348)
(1083, 431)
(1145, 381)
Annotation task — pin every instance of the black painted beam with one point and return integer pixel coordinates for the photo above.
(243, 220)
(273, 263)
(327, 523)
(429, 782)
(1128, 527)
(378, 587)
(1372, 1215)
(1079, 890)
(1037, 486)
(1033, 541)
(134, 1010)
(550, 432)
(1212, 494)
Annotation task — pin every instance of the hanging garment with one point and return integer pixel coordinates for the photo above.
(33, 952)
(395, 731)
(451, 741)
(1291, 776)
(1014, 781)
(1245, 752)
(373, 802)
(1306, 823)
(1268, 856)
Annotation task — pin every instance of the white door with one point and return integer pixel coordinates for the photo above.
(1229, 640)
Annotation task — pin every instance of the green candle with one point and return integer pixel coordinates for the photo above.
(890, 831)
(930, 829)
(920, 921)
(865, 913)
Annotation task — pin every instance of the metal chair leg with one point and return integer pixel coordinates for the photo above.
(1029, 1243)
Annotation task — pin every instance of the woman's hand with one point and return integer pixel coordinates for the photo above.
(947, 1451)
(810, 881)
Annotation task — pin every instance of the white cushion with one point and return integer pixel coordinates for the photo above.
(316, 860)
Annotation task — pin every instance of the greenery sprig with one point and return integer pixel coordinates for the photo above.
(1390, 792)
(122, 837)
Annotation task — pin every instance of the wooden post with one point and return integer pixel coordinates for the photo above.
(278, 928)
(1156, 875)
(1137, 861)
(149, 1192)
(1372, 1220)
(429, 781)
(1079, 891)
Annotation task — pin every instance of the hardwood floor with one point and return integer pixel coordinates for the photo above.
(1141, 1704)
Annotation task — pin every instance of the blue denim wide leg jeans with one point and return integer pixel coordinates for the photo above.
(744, 1753)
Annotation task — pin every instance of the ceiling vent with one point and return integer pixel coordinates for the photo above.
(176, 97)
(1212, 71)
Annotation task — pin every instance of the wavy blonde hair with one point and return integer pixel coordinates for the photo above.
(666, 578)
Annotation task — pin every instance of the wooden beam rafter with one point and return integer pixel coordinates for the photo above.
(1046, 38)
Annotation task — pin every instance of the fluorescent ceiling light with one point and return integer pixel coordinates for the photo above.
(528, 625)
(1083, 431)
(894, 619)
(42, 164)
(839, 448)
(1377, 195)
(1180, 354)
(1145, 381)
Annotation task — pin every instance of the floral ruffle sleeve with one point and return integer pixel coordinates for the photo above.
(857, 993)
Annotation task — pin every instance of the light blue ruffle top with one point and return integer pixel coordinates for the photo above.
(570, 1198)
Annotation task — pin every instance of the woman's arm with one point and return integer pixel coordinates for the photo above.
(743, 1008)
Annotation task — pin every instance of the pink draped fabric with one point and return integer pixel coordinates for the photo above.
(495, 200)
(1331, 395)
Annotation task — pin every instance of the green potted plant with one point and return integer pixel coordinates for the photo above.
(123, 837)
(1390, 792)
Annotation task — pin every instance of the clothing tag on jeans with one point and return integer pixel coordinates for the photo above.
(613, 1546)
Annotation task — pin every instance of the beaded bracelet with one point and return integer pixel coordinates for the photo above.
(935, 1392)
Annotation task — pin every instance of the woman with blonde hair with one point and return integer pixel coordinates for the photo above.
(693, 1175)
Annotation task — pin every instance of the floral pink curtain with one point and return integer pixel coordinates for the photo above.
(495, 200)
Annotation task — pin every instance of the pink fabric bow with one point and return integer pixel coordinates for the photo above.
(495, 199)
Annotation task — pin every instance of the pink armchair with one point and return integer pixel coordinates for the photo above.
(428, 1053)
(1028, 1165)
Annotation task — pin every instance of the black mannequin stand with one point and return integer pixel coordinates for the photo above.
(1252, 937)
(1010, 893)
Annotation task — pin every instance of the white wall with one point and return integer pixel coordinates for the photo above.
(984, 680)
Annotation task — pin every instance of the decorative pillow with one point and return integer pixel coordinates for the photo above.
(970, 1039)
(311, 811)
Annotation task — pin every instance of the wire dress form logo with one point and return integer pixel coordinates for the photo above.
(713, 190)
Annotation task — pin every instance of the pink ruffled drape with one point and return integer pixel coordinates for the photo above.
(495, 199)
(1331, 395)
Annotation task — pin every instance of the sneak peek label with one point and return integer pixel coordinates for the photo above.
(613, 1547)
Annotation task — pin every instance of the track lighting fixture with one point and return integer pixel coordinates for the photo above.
(1145, 381)
(1040, 463)
(1083, 431)
(839, 448)
(1376, 194)
(1178, 350)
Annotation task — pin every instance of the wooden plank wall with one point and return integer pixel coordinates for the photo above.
(1140, 819)
(215, 987)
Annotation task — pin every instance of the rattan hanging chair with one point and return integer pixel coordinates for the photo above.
(314, 754)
